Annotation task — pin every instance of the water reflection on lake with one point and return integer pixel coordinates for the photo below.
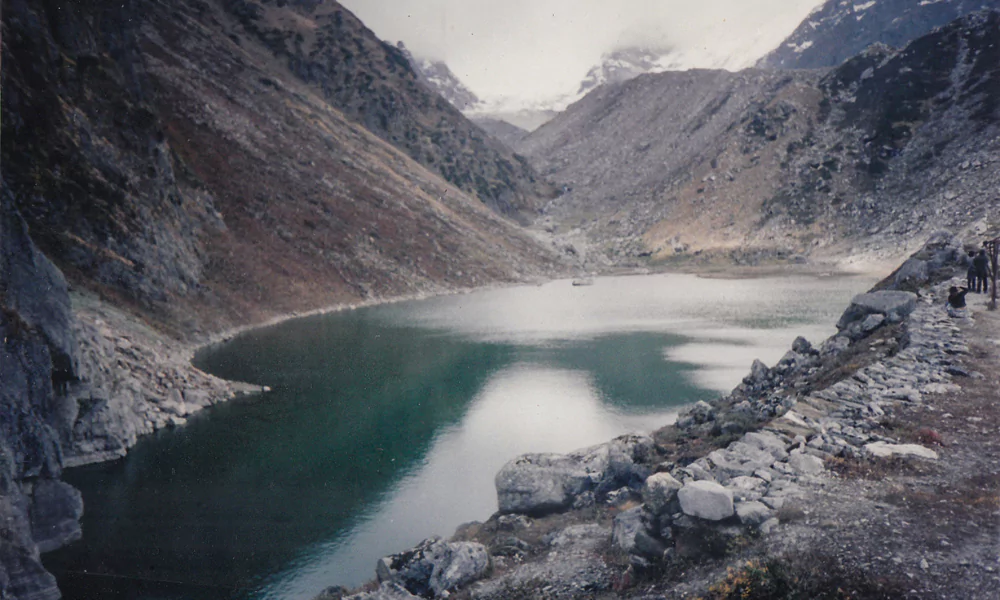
(387, 424)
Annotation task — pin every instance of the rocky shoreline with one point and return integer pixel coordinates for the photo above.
(674, 509)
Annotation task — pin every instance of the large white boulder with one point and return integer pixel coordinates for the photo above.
(706, 500)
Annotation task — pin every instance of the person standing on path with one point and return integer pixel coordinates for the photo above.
(981, 264)
(970, 275)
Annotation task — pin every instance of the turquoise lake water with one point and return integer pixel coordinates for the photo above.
(387, 424)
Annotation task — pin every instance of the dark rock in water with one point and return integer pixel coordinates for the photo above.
(894, 305)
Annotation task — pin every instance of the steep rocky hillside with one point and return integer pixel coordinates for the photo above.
(165, 157)
(371, 82)
(860, 159)
(838, 30)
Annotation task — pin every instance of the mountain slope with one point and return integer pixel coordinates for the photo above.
(838, 30)
(164, 158)
(889, 146)
(371, 82)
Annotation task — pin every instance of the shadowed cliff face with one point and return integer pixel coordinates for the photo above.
(181, 163)
(868, 157)
(37, 355)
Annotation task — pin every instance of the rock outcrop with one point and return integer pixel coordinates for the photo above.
(434, 567)
(37, 358)
(535, 484)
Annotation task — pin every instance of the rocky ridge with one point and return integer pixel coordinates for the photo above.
(671, 511)
(863, 159)
(838, 30)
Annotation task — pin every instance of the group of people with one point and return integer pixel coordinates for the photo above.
(978, 275)
(977, 279)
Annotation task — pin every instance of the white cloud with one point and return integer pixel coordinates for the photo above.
(537, 49)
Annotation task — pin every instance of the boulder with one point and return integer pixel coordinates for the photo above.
(434, 567)
(871, 323)
(706, 500)
(747, 488)
(806, 464)
(759, 373)
(385, 591)
(835, 345)
(659, 492)
(884, 450)
(913, 272)
(753, 513)
(739, 458)
(701, 412)
(537, 484)
(626, 525)
(768, 442)
(893, 304)
(802, 346)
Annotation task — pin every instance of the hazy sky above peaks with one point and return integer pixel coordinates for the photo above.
(538, 49)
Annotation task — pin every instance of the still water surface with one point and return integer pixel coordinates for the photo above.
(387, 424)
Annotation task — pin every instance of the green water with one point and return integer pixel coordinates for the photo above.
(386, 425)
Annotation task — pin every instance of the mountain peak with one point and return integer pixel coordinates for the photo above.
(439, 78)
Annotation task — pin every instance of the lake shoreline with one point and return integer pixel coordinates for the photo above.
(110, 338)
(810, 481)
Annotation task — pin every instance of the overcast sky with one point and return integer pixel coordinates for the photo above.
(536, 49)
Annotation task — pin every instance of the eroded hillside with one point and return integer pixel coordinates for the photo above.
(865, 158)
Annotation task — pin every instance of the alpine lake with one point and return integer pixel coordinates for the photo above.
(386, 425)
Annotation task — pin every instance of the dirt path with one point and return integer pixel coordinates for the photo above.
(913, 528)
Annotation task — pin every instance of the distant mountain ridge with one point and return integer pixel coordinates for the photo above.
(869, 156)
(839, 29)
(621, 65)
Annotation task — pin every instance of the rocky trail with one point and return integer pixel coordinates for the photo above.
(864, 468)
